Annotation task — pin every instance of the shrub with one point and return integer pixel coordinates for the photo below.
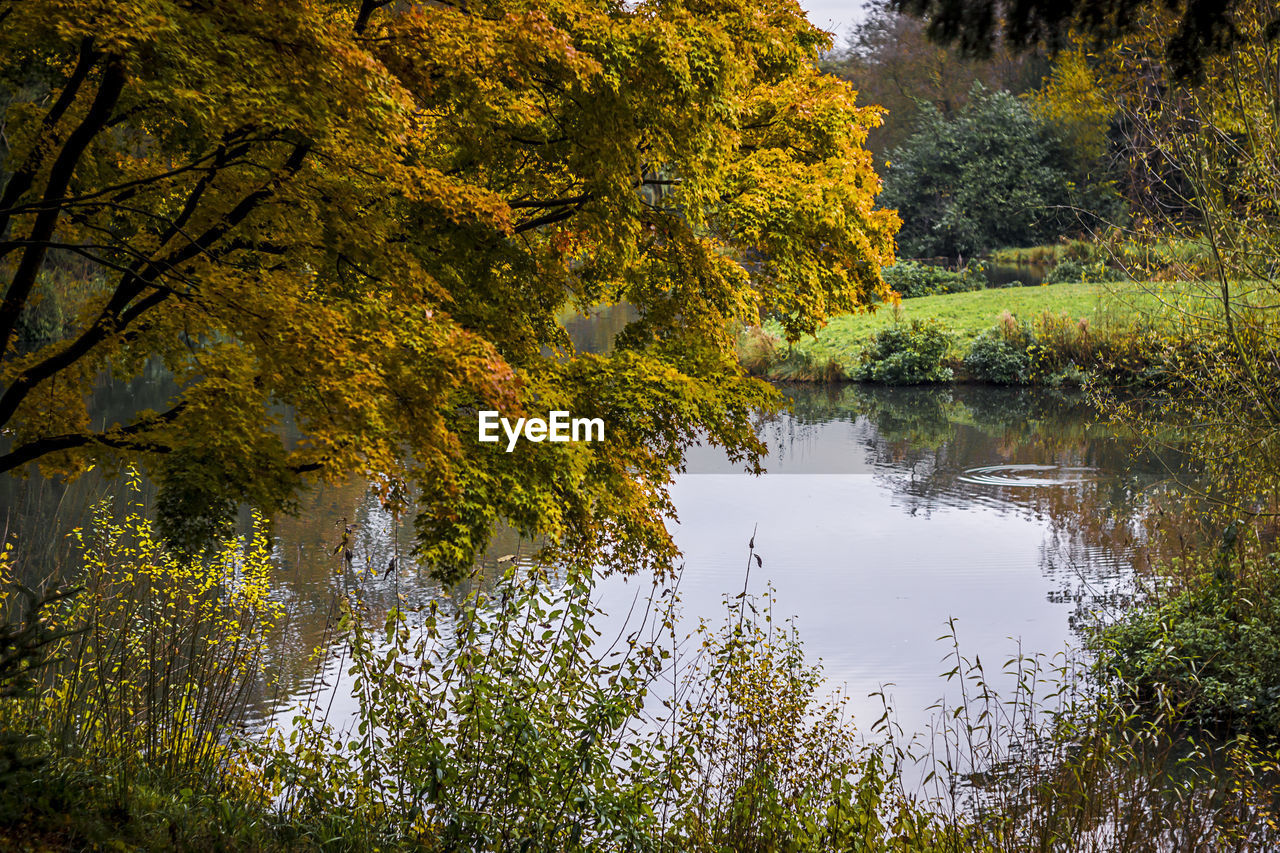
(993, 358)
(907, 355)
(1060, 344)
(1209, 651)
(912, 279)
(765, 354)
(155, 657)
(800, 366)
(1061, 762)
(990, 174)
(504, 724)
(1073, 270)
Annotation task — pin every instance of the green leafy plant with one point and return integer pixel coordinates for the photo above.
(989, 175)
(994, 358)
(503, 721)
(1211, 650)
(907, 354)
(911, 279)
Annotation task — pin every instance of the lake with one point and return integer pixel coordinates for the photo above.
(886, 515)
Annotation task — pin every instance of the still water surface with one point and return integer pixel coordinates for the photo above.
(888, 515)
(885, 514)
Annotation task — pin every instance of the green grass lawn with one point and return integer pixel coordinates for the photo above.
(968, 314)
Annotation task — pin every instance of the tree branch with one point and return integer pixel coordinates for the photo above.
(59, 178)
(578, 200)
(114, 318)
(20, 181)
(367, 8)
(124, 438)
(128, 189)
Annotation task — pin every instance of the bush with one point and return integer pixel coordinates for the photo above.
(907, 355)
(912, 279)
(765, 354)
(990, 174)
(1211, 652)
(502, 724)
(993, 358)
(1073, 270)
(153, 661)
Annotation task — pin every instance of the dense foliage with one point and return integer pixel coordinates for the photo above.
(368, 215)
(992, 175)
(907, 354)
(154, 656)
(910, 279)
(994, 358)
(1073, 270)
(1209, 649)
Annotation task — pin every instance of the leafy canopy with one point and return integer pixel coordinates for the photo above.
(367, 217)
(990, 176)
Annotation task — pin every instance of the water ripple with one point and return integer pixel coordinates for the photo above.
(1026, 475)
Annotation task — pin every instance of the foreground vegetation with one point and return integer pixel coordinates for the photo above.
(501, 720)
(496, 722)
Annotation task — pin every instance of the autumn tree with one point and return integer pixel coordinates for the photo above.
(1078, 101)
(1209, 156)
(367, 216)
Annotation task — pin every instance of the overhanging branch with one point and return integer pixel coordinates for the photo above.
(124, 438)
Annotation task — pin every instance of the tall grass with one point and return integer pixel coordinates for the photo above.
(1069, 760)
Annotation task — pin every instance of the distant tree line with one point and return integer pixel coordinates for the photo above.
(978, 153)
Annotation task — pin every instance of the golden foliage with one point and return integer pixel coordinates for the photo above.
(368, 216)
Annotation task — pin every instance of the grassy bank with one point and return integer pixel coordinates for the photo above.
(1080, 324)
